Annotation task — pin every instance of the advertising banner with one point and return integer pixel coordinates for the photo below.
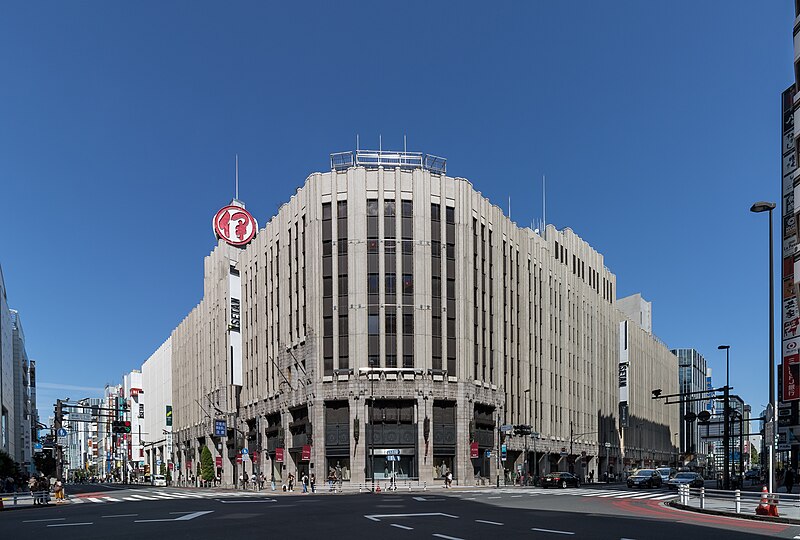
(219, 461)
(473, 450)
(279, 455)
(306, 453)
(791, 370)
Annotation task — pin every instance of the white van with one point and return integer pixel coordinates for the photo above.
(159, 480)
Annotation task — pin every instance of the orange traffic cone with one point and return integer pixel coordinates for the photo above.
(763, 507)
(773, 505)
(378, 488)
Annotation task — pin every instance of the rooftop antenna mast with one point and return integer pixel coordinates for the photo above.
(357, 147)
(380, 144)
(237, 177)
(405, 148)
(544, 204)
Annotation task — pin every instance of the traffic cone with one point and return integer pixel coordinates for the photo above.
(763, 507)
(773, 505)
(378, 488)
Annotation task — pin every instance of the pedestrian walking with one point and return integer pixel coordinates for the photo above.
(788, 480)
(304, 481)
(313, 481)
(291, 482)
(449, 479)
(591, 476)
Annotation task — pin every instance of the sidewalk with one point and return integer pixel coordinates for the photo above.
(724, 504)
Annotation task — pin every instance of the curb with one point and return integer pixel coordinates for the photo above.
(751, 517)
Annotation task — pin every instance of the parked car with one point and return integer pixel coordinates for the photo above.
(560, 479)
(645, 478)
(693, 479)
(752, 474)
(667, 473)
(159, 480)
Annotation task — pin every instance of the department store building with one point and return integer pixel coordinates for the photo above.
(389, 320)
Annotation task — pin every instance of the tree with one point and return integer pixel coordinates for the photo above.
(754, 457)
(45, 463)
(206, 465)
(8, 467)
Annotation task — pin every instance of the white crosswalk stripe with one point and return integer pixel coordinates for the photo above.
(158, 495)
(586, 492)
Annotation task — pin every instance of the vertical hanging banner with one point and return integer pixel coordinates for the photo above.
(306, 453)
(791, 370)
(169, 415)
(623, 374)
(279, 455)
(234, 326)
(473, 450)
(789, 373)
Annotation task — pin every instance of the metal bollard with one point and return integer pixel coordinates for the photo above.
(702, 498)
(425, 486)
(738, 501)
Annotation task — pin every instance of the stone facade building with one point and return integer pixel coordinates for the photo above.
(388, 310)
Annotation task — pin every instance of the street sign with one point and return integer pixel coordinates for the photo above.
(769, 431)
(503, 452)
(220, 428)
(393, 452)
(62, 432)
(80, 417)
(488, 454)
(158, 463)
(506, 428)
(245, 451)
(392, 458)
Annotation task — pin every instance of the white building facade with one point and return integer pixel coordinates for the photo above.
(389, 309)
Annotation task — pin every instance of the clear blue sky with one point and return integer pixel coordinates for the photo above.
(657, 125)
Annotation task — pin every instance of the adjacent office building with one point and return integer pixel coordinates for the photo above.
(389, 320)
(694, 378)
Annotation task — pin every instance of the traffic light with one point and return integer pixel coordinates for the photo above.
(121, 426)
(522, 429)
(59, 416)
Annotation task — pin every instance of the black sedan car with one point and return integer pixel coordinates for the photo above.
(645, 478)
(692, 479)
(560, 479)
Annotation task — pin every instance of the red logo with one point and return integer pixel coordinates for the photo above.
(235, 225)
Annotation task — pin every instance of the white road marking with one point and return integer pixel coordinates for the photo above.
(95, 500)
(120, 515)
(661, 498)
(551, 531)
(70, 524)
(515, 496)
(487, 522)
(144, 498)
(245, 502)
(129, 499)
(38, 520)
(498, 497)
(447, 537)
(112, 499)
(377, 517)
(648, 496)
(187, 517)
(402, 527)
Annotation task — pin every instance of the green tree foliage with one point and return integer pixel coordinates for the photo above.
(8, 467)
(754, 457)
(206, 464)
(45, 463)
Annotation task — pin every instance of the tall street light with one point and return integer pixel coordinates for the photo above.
(726, 442)
(766, 206)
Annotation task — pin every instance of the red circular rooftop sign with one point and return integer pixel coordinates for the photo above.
(235, 225)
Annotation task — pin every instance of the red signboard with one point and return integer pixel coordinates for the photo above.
(791, 369)
(254, 457)
(219, 461)
(171, 466)
(473, 450)
(306, 455)
(238, 458)
(279, 455)
(235, 225)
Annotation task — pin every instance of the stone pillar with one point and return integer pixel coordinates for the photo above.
(464, 413)
(358, 450)
(425, 453)
(317, 465)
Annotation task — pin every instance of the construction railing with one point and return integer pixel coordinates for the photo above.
(741, 502)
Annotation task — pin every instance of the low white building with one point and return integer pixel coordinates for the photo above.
(157, 421)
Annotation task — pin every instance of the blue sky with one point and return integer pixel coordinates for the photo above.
(657, 126)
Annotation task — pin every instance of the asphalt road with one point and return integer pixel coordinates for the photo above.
(448, 515)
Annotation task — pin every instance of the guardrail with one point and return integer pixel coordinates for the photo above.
(24, 498)
(738, 501)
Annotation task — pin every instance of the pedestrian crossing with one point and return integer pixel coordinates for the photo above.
(156, 495)
(575, 492)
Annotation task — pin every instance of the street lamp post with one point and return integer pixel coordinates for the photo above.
(726, 444)
(765, 206)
